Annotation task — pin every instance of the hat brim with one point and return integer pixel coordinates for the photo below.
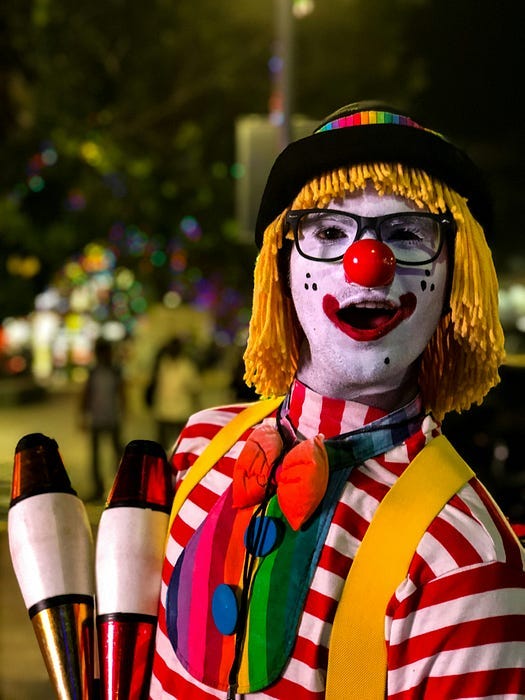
(310, 157)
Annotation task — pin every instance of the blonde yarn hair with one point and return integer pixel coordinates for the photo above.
(460, 363)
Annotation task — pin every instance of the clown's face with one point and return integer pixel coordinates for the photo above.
(363, 340)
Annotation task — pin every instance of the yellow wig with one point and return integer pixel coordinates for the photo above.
(460, 363)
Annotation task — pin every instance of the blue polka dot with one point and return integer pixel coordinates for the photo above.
(261, 536)
(225, 609)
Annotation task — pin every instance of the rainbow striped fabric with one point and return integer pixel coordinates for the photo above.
(280, 585)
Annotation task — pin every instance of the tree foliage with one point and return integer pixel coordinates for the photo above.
(138, 106)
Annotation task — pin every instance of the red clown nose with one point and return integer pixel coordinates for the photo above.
(369, 263)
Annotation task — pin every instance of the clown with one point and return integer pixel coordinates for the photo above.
(375, 313)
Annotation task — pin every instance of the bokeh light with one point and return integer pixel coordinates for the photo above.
(76, 200)
(191, 228)
(36, 183)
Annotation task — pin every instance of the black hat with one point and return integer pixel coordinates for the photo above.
(367, 132)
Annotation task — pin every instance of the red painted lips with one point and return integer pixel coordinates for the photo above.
(370, 322)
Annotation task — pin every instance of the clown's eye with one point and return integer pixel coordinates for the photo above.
(330, 233)
(401, 233)
(324, 236)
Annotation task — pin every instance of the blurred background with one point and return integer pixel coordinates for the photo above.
(135, 142)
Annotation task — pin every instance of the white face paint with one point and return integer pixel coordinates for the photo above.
(352, 353)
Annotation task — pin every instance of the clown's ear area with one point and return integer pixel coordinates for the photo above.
(272, 350)
(460, 365)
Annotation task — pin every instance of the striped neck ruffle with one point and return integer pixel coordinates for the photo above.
(310, 413)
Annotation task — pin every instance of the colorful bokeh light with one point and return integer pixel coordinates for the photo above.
(191, 228)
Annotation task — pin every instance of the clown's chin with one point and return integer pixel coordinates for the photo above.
(384, 377)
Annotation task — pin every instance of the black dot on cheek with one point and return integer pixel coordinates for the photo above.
(308, 275)
(307, 286)
(387, 360)
(423, 285)
(427, 273)
(432, 287)
(314, 287)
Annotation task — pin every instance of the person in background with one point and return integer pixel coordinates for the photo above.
(173, 391)
(102, 411)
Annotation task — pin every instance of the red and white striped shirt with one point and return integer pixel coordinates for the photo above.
(455, 627)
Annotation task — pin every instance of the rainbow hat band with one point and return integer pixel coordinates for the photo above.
(369, 132)
(368, 117)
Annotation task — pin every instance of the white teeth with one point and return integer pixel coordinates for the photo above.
(372, 305)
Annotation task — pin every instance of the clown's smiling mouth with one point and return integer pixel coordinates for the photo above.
(369, 320)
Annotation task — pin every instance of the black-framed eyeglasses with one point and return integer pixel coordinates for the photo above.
(415, 238)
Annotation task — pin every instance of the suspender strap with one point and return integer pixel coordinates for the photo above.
(357, 662)
(224, 440)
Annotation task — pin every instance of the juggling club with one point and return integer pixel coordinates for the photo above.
(129, 555)
(51, 547)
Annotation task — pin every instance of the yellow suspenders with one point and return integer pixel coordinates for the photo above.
(357, 655)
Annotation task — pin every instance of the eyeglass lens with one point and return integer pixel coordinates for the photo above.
(413, 238)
